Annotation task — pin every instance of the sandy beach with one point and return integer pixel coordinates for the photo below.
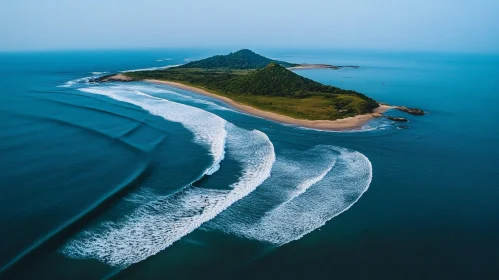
(350, 123)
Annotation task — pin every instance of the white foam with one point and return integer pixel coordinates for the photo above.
(140, 197)
(303, 186)
(145, 88)
(162, 89)
(95, 75)
(373, 125)
(84, 80)
(208, 128)
(288, 213)
(98, 73)
(175, 91)
(158, 224)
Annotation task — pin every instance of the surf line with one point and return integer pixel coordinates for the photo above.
(58, 236)
(167, 219)
(208, 129)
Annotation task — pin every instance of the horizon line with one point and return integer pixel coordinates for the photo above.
(236, 48)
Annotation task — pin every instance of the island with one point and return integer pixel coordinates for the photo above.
(267, 88)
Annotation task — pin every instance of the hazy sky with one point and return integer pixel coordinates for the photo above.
(440, 25)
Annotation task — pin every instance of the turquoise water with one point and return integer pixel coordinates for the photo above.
(134, 180)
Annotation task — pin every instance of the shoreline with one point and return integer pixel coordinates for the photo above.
(350, 123)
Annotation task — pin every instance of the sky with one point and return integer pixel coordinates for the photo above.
(406, 25)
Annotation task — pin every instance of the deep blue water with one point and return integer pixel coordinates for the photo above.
(135, 180)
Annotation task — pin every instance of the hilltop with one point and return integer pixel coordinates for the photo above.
(242, 59)
(275, 80)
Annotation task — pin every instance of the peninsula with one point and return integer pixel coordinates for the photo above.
(267, 88)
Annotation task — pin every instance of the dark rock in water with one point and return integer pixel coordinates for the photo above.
(395, 119)
(403, 126)
(412, 111)
(113, 78)
(320, 66)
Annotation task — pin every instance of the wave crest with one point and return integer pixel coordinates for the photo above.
(209, 129)
(158, 224)
(301, 196)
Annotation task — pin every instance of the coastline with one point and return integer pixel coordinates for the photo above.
(350, 123)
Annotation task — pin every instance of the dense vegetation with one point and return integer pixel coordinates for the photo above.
(242, 59)
(271, 88)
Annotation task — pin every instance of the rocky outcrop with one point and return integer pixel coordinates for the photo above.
(396, 119)
(320, 66)
(412, 111)
(114, 78)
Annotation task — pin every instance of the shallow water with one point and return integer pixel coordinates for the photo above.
(138, 180)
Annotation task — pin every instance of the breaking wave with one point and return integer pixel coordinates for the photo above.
(159, 223)
(283, 200)
(303, 186)
(85, 80)
(91, 80)
(209, 129)
(54, 238)
(300, 196)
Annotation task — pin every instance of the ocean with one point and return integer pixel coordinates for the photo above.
(145, 181)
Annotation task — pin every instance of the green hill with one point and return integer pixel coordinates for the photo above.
(242, 59)
(275, 80)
